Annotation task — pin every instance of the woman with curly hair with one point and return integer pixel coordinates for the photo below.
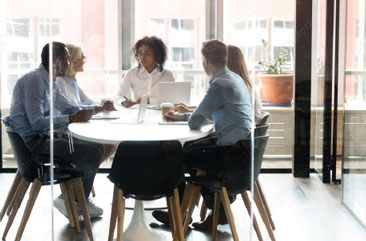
(151, 54)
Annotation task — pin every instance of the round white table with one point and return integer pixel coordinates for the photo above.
(113, 131)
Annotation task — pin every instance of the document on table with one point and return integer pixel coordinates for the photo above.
(106, 116)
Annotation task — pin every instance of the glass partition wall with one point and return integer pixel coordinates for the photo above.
(98, 27)
(354, 162)
(247, 24)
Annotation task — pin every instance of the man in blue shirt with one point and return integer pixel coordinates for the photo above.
(30, 117)
(227, 103)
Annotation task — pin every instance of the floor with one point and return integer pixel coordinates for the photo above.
(302, 209)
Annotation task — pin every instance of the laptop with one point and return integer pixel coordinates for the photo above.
(133, 119)
(174, 92)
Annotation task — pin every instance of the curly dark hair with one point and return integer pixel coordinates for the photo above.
(157, 45)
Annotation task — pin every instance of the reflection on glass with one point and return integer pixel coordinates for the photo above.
(246, 23)
(182, 29)
(317, 98)
(354, 166)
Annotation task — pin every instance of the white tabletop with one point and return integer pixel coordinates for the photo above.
(114, 131)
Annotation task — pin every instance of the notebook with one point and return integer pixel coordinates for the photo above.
(133, 119)
(174, 92)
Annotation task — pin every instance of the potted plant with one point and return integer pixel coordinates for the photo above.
(277, 86)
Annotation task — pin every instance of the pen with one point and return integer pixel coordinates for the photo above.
(126, 98)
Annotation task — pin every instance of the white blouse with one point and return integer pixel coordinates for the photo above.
(257, 107)
(141, 82)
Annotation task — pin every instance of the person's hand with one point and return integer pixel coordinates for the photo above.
(108, 106)
(128, 103)
(172, 116)
(183, 108)
(81, 116)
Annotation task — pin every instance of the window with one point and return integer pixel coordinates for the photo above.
(18, 27)
(182, 54)
(44, 27)
(289, 24)
(278, 24)
(290, 52)
(157, 26)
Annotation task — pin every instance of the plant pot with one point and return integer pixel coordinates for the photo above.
(277, 88)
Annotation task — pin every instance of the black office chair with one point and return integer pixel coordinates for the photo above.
(235, 176)
(264, 117)
(260, 198)
(31, 170)
(147, 170)
(261, 130)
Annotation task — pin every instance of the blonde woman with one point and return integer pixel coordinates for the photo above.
(76, 97)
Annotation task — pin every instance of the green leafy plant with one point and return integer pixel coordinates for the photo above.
(274, 66)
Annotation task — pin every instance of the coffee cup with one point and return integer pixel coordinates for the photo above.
(165, 107)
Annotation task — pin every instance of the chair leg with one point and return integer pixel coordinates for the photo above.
(121, 214)
(75, 214)
(195, 198)
(169, 203)
(177, 217)
(262, 212)
(93, 192)
(11, 204)
(114, 215)
(203, 211)
(216, 214)
(79, 191)
(17, 201)
(36, 187)
(248, 205)
(65, 195)
(229, 215)
(11, 194)
(257, 185)
(188, 192)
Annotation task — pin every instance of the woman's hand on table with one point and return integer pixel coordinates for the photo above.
(129, 103)
(172, 116)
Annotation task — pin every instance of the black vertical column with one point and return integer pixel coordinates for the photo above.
(301, 157)
(327, 118)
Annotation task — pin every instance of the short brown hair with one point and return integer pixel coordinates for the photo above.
(215, 52)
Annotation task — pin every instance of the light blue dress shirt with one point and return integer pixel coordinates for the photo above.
(30, 105)
(227, 103)
(75, 96)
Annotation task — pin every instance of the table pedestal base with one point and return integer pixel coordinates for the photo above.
(139, 229)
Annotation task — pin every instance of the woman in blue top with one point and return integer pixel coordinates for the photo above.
(75, 95)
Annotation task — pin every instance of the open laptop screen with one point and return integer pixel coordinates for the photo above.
(174, 92)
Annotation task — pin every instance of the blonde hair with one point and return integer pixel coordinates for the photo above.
(236, 63)
(75, 53)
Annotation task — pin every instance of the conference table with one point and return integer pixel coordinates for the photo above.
(121, 125)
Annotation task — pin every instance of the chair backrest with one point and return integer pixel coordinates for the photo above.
(27, 167)
(264, 118)
(261, 130)
(238, 163)
(147, 169)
